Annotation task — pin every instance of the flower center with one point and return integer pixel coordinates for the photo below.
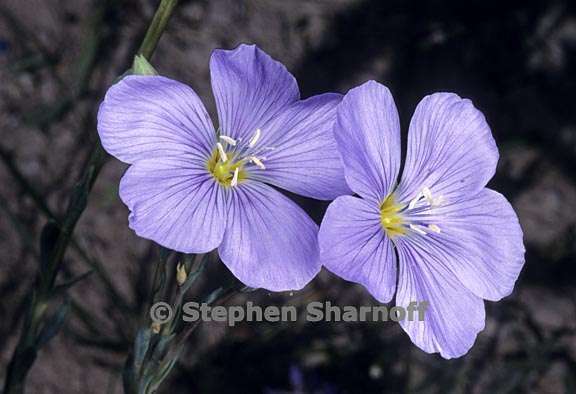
(231, 159)
(390, 217)
(225, 172)
(416, 218)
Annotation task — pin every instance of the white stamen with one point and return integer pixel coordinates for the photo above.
(258, 162)
(234, 178)
(415, 201)
(228, 140)
(434, 228)
(427, 194)
(223, 155)
(437, 201)
(255, 138)
(417, 228)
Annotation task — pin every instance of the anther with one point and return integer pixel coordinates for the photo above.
(427, 194)
(255, 138)
(228, 140)
(223, 155)
(417, 228)
(437, 201)
(258, 162)
(234, 178)
(415, 201)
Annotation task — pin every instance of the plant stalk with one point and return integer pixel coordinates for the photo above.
(35, 318)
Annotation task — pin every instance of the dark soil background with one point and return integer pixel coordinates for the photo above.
(516, 61)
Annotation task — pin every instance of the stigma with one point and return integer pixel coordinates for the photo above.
(232, 160)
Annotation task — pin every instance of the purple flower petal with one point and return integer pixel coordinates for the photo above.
(353, 246)
(456, 242)
(303, 157)
(270, 242)
(367, 131)
(250, 88)
(481, 242)
(176, 203)
(144, 117)
(450, 149)
(454, 316)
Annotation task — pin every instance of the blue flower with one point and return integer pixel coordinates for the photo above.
(192, 188)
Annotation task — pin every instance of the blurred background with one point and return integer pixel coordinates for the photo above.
(516, 60)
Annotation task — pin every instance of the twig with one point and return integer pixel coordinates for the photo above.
(157, 26)
(26, 350)
(27, 187)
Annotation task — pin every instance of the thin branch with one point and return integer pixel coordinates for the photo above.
(26, 350)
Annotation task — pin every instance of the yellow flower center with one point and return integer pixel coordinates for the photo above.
(416, 217)
(230, 157)
(223, 171)
(390, 217)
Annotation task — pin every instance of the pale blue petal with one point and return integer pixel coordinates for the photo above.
(451, 150)
(269, 242)
(176, 203)
(367, 132)
(145, 117)
(353, 245)
(454, 316)
(302, 155)
(250, 89)
(480, 240)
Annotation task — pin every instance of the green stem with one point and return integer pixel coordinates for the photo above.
(76, 207)
(157, 26)
(163, 359)
(29, 189)
(26, 350)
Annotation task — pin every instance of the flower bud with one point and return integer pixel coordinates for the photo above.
(181, 274)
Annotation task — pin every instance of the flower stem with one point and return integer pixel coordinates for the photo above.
(157, 26)
(157, 351)
(36, 319)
